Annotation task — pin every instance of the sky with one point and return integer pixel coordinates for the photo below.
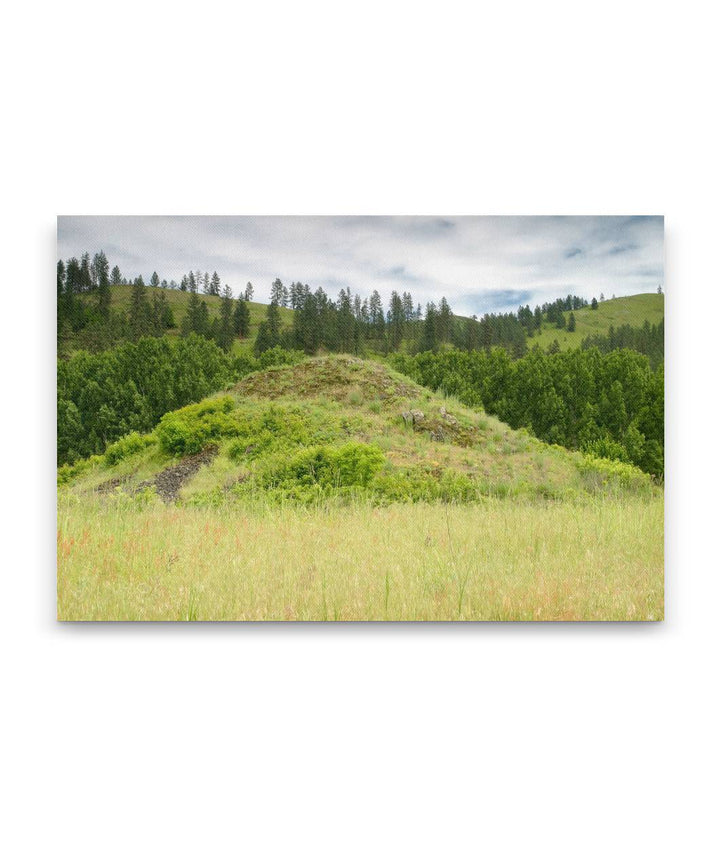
(480, 264)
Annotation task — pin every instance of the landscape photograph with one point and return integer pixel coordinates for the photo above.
(360, 418)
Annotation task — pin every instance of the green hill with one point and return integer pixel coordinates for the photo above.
(336, 489)
(333, 428)
(178, 301)
(634, 310)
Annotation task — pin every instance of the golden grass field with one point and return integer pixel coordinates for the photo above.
(595, 559)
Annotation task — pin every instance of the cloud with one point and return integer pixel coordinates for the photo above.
(480, 264)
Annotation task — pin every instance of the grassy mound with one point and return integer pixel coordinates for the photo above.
(338, 430)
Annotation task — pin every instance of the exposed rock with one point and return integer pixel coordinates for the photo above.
(168, 482)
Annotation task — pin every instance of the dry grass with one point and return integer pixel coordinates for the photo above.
(592, 560)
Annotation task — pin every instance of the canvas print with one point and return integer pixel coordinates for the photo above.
(365, 419)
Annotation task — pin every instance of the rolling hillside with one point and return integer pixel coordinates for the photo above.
(178, 301)
(336, 489)
(634, 310)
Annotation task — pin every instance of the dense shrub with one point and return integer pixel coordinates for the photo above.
(350, 465)
(191, 428)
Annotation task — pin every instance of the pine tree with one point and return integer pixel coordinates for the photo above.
(241, 318)
(443, 321)
(429, 338)
(571, 323)
(273, 322)
(215, 284)
(594, 304)
(116, 276)
(155, 280)
(396, 321)
(249, 291)
(226, 331)
(263, 341)
(101, 266)
(139, 311)
(276, 292)
(85, 276)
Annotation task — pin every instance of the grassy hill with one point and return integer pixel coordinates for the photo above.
(634, 310)
(178, 301)
(336, 488)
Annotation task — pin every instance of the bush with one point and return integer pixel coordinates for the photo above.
(601, 473)
(351, 465)
(187, 431)
(126, 447)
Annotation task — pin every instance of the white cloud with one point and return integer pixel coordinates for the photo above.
(479, 263)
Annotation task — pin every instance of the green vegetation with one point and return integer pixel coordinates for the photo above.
(610, 404)
(631, 311)
(340, 429)
(101, 397)
(211, 467)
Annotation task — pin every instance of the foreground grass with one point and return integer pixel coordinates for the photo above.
(498, 560)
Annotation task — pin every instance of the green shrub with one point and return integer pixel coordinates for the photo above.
(126, 447)
(351, 465)
(601, 473)
(188, 430)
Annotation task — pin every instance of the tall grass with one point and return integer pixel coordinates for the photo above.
(599, 559)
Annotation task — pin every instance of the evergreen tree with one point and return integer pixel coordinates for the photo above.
(276, 292)
(155, 280)
(241, 318)
(249, 291)
(429, 338)
(273, 322)
(226, 331)
(263, 341)
(444, 318)
(101, 266)
(571, 323)
(140, 320)
(594, 304)
(85, 276)
(396, 321)
(215, 284)
(116, 276)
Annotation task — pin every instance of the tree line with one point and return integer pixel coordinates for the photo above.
(609, 404)
(349, 323)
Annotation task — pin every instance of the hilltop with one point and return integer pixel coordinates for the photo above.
(634, 310)
(334, 428)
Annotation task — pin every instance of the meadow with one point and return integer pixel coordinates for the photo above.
(599, 559)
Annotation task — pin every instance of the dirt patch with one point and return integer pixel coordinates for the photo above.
(168, 482)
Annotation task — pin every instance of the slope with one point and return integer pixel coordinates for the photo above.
(336, 429)
(634, 310)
